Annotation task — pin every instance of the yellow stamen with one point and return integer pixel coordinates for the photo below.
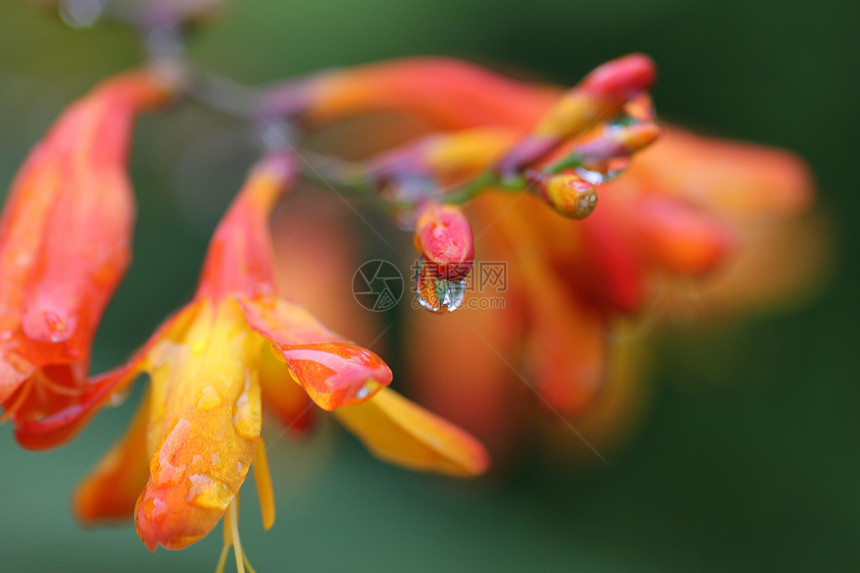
(263, 479)
(231, 539)
(233, 511)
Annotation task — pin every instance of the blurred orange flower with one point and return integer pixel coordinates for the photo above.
(676, 221)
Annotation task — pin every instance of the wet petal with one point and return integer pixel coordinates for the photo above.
(63, 423)
(281, 395)
(333, 372)
(401, 432)
(66, 228)
(204, 424)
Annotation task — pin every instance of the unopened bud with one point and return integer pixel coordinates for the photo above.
(602, 93)
(618, 142)
(569, 194)
(443, 235)
(622, 78)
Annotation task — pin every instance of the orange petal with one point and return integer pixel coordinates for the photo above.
(112, 488)
(333, 373)
(566, 346)
(65, 231)
(239, 259)
(679, 238)
(46, 431)
(724, 177)
(447, 93)
(401, 432)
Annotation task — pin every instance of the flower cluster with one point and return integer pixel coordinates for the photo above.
(563, 184)
(666, 238)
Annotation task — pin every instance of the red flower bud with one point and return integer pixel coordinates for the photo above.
(444, 236)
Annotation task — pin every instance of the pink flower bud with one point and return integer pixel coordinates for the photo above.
(621, 78)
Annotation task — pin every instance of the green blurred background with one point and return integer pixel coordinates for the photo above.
(750, 457)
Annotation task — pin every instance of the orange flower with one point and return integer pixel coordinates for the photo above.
(682, 212)
(681, 215)
(235, 347)
(64, 245)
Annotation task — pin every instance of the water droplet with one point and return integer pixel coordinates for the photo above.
(119, 398)
(240, 469)
(593, 177)
(369, 388)
(167, 473)
(215, 459)
(621, 121)
(156, 509)
(247, 425)
(209, 398)
(209, 493)
(196, 459)
(81, 13)
(438, 295)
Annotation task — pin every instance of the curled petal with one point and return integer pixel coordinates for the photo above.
(336, 374)
(333, 372)
(281, 395)
(403, 433)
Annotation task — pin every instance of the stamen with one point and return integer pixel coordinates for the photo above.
(19, 401)
(234, 534)
(231, 539)
(263, 479)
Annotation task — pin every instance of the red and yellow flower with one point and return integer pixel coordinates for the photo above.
(213, 366)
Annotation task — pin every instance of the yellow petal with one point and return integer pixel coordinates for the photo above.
(203, 426)
(401, 432)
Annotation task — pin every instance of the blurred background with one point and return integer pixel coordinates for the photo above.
(749, 456)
